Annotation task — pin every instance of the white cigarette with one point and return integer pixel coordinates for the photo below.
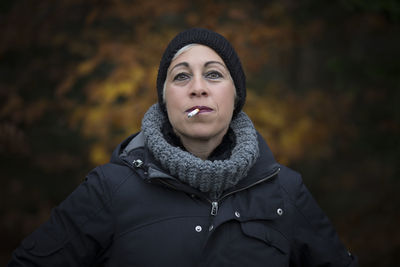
(193, 112)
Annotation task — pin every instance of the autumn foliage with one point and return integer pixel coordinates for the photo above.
(323, 82)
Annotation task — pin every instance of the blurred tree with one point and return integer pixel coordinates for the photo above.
(77, 76)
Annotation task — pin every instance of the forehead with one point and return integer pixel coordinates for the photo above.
(196, 53)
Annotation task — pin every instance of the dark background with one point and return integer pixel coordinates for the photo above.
(76, 77)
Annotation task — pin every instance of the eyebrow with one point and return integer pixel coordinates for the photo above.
(214, 62)
(185, 64)
(180, 64)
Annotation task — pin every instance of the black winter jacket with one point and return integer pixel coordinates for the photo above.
(130, 212)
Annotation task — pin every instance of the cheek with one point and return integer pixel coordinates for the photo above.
(170, 99)
(227, 99)
(172, 102)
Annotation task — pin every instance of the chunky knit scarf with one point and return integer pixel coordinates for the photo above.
(212, 177)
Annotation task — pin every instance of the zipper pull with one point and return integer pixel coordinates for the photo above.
(214, 208)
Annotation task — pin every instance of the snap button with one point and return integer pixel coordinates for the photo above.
(211, 228)
(198, 228)
(137, 163)
(279, 211)
(237, 214)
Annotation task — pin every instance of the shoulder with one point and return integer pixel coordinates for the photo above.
(106, 180)
(290, 181)
(114, 174)
(119, 170)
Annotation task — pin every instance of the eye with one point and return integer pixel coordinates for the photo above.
(214, 75)
(181, 76)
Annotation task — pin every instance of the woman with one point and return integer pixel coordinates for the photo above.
(198, 186)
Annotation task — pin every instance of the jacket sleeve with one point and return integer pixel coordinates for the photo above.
(316, 242)
(78, 230)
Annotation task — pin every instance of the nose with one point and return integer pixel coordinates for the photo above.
(199, 87)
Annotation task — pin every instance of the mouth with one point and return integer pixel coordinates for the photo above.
(202, 109)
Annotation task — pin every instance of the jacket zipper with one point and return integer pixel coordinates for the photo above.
(214, 208)
(215, 203)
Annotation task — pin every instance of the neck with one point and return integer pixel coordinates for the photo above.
(201, 148)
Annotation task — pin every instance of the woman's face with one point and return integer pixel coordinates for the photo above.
(198, 78)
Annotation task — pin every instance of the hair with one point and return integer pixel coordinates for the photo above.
(220, 45)
(177, 54)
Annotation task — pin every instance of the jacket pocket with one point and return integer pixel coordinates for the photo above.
(271, 237)
(45, 241)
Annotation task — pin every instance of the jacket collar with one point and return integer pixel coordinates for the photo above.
(133, 149)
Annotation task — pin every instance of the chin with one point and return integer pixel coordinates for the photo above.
(202, 133)
(199, 135)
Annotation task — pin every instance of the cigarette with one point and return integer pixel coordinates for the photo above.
(193, 112)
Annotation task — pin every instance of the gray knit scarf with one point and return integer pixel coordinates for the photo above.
(212, 177)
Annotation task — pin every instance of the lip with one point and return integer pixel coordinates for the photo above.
(201, 108)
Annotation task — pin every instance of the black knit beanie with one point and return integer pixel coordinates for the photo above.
(220, 45)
